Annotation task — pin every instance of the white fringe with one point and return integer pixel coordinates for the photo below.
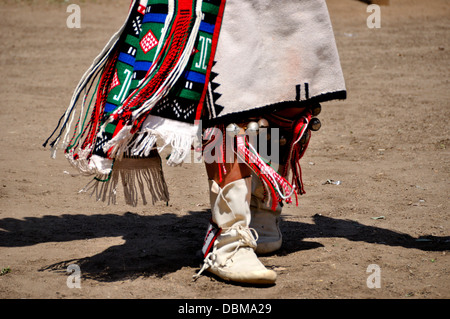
(178, 135)
(138, 177)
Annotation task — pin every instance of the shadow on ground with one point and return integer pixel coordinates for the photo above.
(160, 244)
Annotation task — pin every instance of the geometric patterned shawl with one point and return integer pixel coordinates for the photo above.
(148, 83)
(157, 66)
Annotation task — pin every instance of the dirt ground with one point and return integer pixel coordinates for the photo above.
(388, 144)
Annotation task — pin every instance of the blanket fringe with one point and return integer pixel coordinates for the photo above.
(138, 176)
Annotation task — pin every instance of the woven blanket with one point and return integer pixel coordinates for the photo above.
(273, 54)
(149, 82)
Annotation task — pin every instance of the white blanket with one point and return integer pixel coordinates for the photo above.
(271, 51)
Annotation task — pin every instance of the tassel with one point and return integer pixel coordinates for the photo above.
(280, 188)
(297, 150)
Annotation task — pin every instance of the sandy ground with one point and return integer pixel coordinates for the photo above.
(388, 144)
